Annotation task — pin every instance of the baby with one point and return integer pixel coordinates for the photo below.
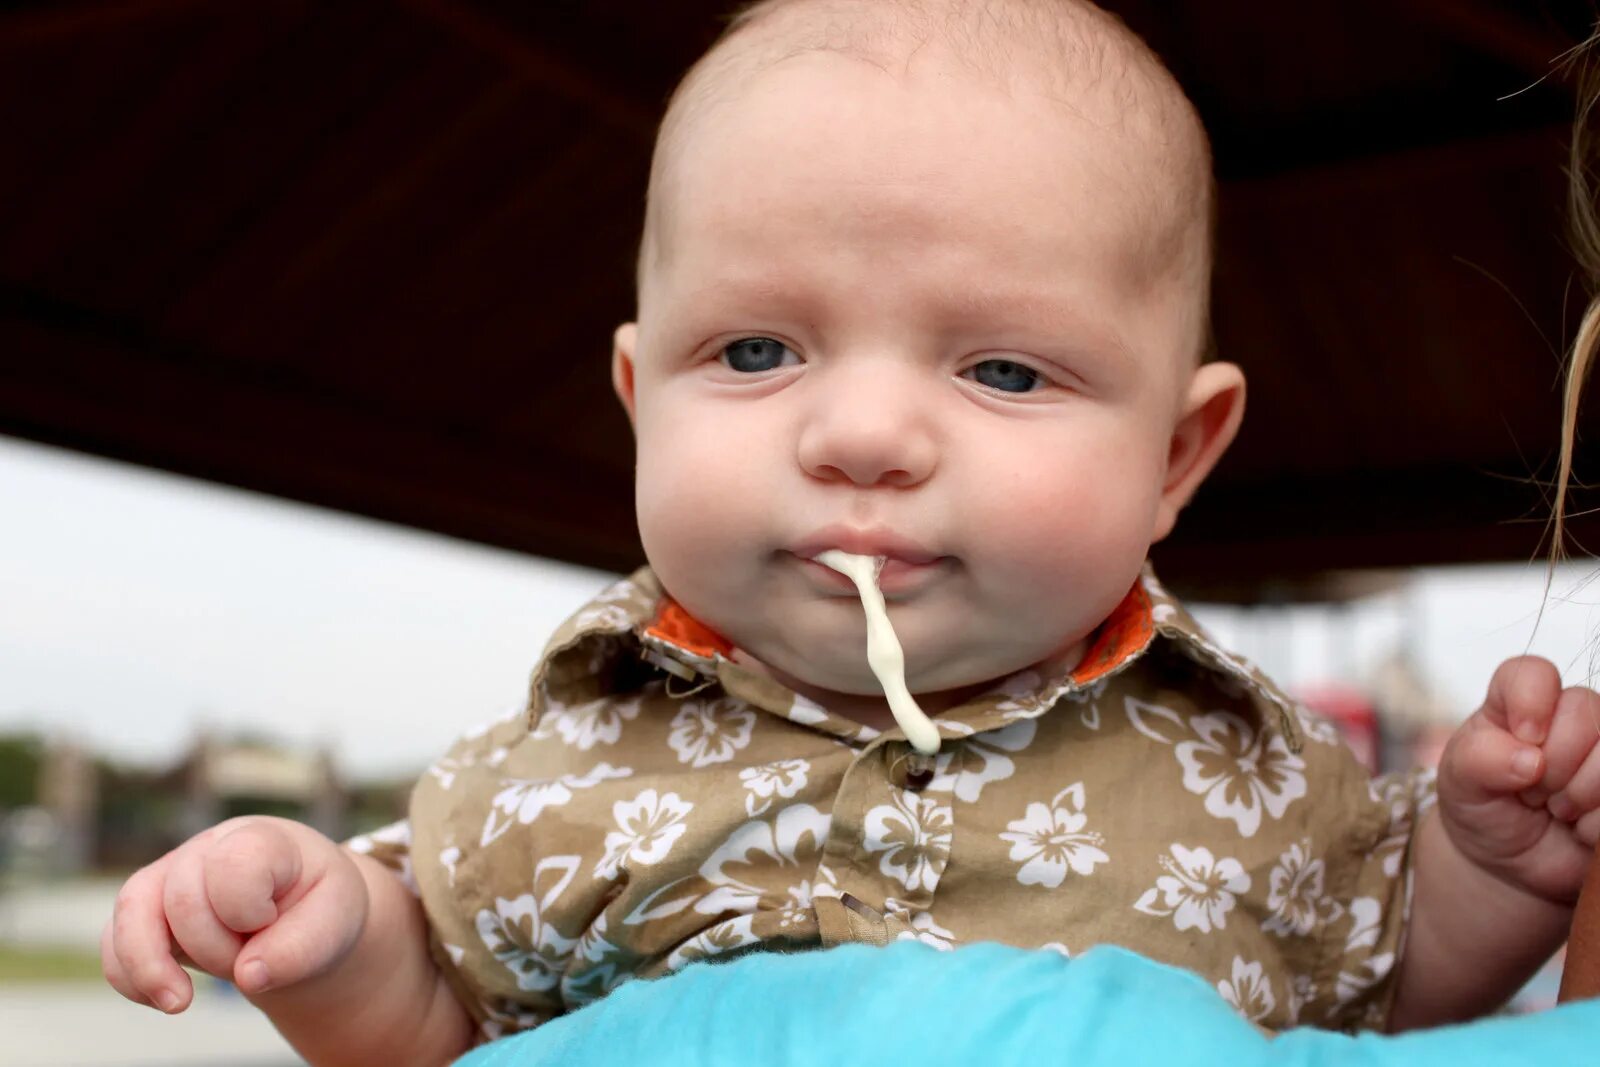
(926, 282)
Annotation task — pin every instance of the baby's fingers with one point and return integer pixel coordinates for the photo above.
(115, 973)
(137, 953)
(209, 944)
(1487, 764)
(248, 867)
(1578, 791)
(1522, 697)
(1587, 829)
(314, 931)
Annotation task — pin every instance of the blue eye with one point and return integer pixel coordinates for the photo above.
(752, 355)
(1006, 376)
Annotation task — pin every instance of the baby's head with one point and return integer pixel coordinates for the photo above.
(924, 279)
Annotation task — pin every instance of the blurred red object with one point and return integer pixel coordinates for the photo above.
(1353, 713)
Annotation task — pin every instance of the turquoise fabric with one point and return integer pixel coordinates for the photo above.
(909, 1005)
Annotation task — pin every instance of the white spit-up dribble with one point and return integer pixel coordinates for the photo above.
(884, 654)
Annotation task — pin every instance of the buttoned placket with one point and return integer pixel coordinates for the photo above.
(889, 842)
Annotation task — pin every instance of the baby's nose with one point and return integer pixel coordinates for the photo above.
(870, 430)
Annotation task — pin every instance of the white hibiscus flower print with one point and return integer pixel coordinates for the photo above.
(1351, 984)
(922, 928)
(597, 722)
(798, 908)
(1197, 891)
(444, 771)
(1295, 894)
(1240, 773)
(647, 827)
(599, 967)
(744, 868)
(1248, 990)
(1315, 727)
(716, 940)
(1019, 693)
(966, 766)
(1088, 701)
(523, 800)
(396, 833)
(619, 591)
(782, 778)
(1051, 838)
(394, 843)
(827, 882)
(1302, 991)
(1396, 792)
(807, 712)
(705, 732)
(448, 858)
(1365, 914)
(606, 618)
(518, 935)
(913, 835)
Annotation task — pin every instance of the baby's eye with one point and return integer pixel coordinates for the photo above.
(752, 355)
(1004, 375)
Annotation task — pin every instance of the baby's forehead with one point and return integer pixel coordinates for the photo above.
(1070, 51)
(1080, 61)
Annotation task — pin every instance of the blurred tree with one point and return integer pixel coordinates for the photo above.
(20, 759)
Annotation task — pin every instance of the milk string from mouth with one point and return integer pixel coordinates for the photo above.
(884, 654)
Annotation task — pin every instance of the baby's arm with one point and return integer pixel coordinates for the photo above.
(328, 943)
(1499, 863)
(1473, 939)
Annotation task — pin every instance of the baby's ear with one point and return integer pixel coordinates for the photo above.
(622, 345)
(1206, 425)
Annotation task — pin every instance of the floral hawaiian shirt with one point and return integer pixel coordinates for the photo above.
(657, 803)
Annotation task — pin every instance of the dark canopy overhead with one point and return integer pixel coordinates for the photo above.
(369, 254)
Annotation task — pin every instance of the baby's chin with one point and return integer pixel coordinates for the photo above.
(842, 668)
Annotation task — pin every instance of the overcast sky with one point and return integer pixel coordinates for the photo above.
(135, 605)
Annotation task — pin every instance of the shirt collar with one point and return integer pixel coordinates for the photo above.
(596, 652)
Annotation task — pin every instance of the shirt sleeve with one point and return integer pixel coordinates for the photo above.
(487, 931)
(390, 846)
(1370, 881)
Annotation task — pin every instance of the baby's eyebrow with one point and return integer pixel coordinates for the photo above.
(971, 310)
(765, 292)
(984, 307)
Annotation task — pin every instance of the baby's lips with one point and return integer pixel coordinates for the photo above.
(877, 541)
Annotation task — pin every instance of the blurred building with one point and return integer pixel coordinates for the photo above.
(73, 811)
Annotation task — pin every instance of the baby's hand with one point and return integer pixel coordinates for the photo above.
(1519, 783)
(263, 902)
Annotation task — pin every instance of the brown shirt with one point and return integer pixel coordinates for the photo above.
(658, 803)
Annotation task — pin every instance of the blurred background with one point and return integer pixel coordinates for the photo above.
(307, 442)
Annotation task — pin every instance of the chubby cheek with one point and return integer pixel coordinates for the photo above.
(1067, 539)
(703, 496)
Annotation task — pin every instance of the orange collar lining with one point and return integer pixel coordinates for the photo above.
(1122, 636)
(683, 631)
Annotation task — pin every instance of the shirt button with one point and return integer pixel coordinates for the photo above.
(910, 769)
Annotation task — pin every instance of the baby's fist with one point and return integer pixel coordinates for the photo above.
(1519, 782)
(264, 902)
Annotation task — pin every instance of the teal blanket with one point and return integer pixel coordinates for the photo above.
(909, 1005)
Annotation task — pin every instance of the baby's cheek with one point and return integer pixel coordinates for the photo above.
(700, 510)
(1074, 535)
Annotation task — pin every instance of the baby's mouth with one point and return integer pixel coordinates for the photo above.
(907, 566)
(896, 578)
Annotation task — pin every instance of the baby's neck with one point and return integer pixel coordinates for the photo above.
(872, 710)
